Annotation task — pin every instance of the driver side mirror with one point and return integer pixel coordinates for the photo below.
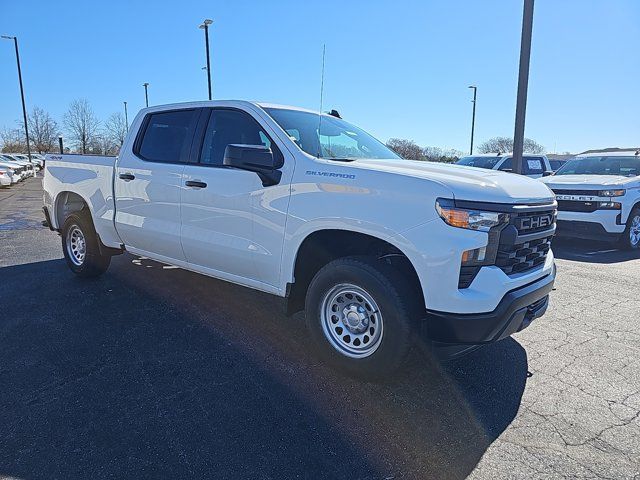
(254, 158)
(547, 173)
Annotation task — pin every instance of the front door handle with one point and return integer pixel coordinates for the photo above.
(127, 176)
(195, 183)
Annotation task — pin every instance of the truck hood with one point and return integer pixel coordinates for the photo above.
(587, 181)
(466, 183)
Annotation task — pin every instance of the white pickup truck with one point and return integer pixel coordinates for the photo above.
(598, 197)
(378, 251)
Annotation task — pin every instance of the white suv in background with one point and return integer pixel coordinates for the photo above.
(599, 197)
(5, 177)
(535, 166)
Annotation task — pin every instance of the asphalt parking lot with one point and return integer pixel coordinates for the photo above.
(155, 372)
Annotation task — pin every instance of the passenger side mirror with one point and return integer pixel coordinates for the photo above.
(548, 173)
(254, 158)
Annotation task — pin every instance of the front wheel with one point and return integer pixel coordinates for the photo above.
(80, 246)
(631, 237)
(359, 316)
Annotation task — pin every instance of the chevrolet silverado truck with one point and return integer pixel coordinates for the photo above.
(598, 197)
(381, 253)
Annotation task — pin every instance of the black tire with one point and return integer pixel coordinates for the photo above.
(626, 241)
(396, 306)
(92, 263)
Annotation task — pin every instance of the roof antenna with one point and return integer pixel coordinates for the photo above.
(324, 48)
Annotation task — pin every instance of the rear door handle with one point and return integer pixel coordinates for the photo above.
(126, 176)
(195, 183)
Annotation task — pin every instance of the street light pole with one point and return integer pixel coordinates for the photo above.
(473, 117)
(205, 26)
(146, 94)
(24, 107)
(523, 83)
(126, 117)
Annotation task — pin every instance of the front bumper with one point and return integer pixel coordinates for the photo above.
(453, 333)
(585, 230)
(586, 224)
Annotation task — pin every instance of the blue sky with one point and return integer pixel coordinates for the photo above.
(397, 69)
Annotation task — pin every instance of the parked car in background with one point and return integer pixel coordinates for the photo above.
(32, 161)
(599, 197)
(5, 177)
(29, 169)
(376, 249)
(39, 159)
(19, 172)
(535, 166)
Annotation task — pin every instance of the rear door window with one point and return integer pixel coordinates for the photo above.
(167, 136)
(533, 165)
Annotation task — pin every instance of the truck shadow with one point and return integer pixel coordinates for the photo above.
(589, 251)
(151, 371)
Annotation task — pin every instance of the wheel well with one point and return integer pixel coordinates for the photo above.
(324, 246)
(67, 203)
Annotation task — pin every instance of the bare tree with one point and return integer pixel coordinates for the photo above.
(81, 124)
(505, 145)
(13, 140)
(406, 148)
(116, 129)
(437, 154)
(43, 130)
(104, 145)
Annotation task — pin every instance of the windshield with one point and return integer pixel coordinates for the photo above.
(614, 165)
(331, 138)
(480, 162)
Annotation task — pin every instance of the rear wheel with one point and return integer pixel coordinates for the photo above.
(359, 315)
(81, 248)
(631, 237)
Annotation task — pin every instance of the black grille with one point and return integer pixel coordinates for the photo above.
(590, 193)
(522, 248)
(521, 257)
(576, 206)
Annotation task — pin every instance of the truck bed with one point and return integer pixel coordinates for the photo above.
(90, 177)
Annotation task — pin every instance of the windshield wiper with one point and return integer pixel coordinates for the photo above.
(338, 159)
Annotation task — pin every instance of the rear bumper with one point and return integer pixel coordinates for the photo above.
(454, 334)
(585, 230)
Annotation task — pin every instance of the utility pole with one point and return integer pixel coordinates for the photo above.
(205, 26)
(473, 117)
(523, 83)
(24, 107)
(126, 117)
(146, 94)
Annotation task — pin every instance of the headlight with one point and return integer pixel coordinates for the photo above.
(469, 219)
(609, 205)
(611, 193)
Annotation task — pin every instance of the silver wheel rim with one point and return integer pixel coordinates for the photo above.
(634, 231)
(351, 320)
(76, 245)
